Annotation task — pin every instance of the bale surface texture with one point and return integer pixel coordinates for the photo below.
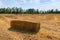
(25, 25)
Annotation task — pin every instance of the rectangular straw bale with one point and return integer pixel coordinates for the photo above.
(25, 25)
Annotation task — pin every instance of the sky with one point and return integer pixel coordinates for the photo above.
(36, 4)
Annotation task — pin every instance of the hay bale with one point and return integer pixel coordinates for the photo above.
(25, 25)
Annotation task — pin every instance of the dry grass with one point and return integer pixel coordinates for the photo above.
(49, 27)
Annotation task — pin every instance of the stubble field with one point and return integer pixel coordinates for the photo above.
(49, 27)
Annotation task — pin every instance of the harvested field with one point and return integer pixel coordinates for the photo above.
(49, 27)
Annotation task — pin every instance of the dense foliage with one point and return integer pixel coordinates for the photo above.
(16, 10)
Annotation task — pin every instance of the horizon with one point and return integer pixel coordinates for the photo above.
(26, 4)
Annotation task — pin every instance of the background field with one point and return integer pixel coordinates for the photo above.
(49, 27)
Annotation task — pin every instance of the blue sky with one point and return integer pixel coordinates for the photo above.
(37, 4)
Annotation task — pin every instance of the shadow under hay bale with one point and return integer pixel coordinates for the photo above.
(24, 26)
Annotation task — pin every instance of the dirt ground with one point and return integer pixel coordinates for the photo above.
(49, 27)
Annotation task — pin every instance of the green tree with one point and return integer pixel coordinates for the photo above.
(30, 11)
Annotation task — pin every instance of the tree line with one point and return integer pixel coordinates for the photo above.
(16, 10)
